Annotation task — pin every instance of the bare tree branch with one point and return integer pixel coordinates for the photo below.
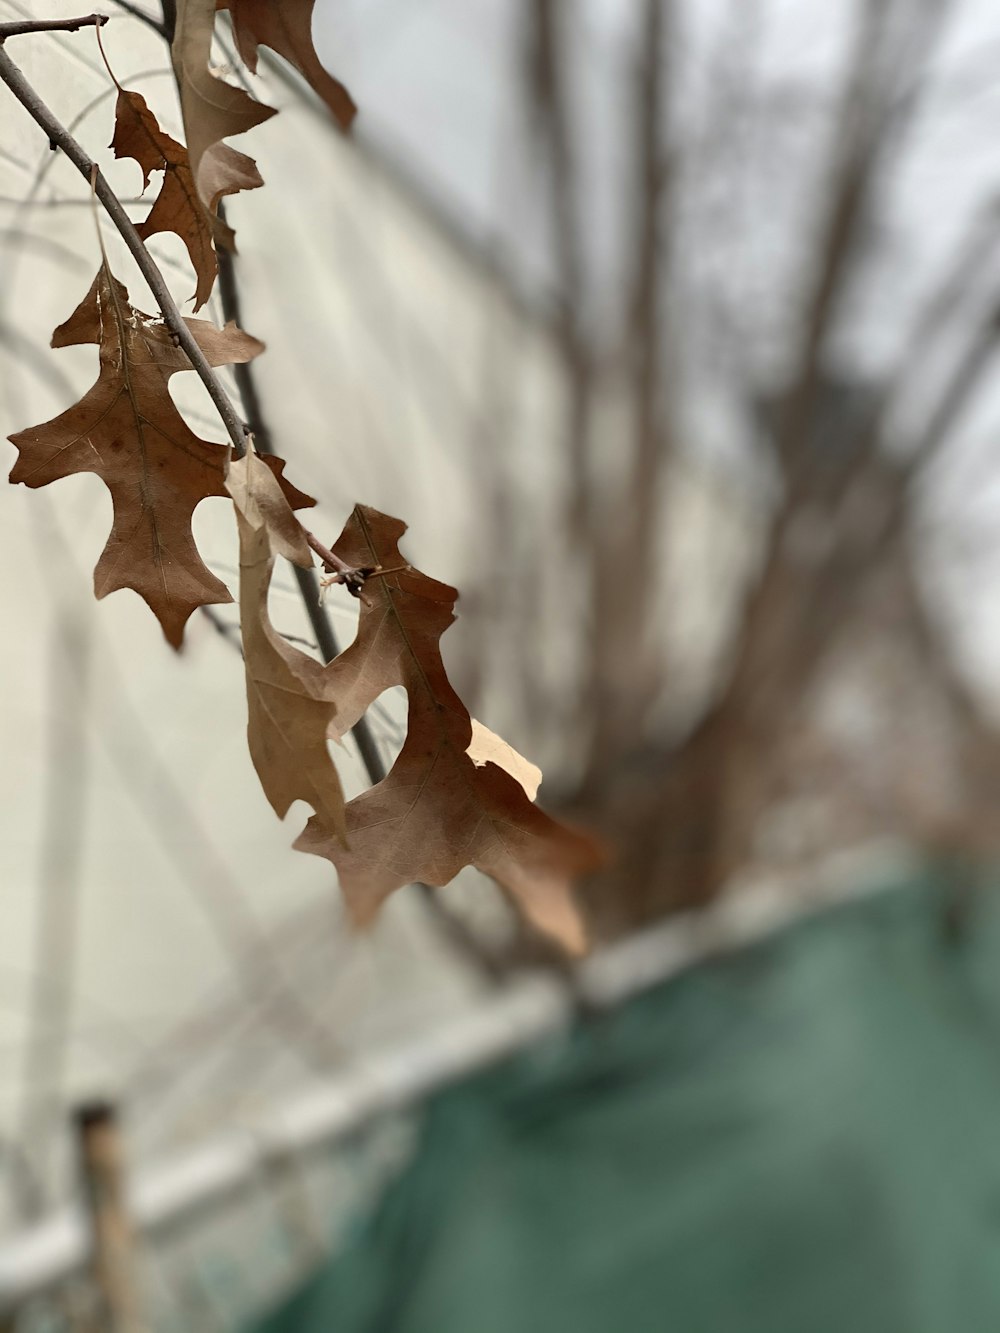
(20, 29)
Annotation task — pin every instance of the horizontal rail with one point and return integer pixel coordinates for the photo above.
(402, 1074)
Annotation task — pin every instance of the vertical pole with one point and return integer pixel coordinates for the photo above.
(112, 1244)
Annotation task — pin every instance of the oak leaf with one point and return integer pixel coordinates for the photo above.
(289, 709)
(128, 431)
(213, 110)
(438, 809)
(286, 27)
(177, 207)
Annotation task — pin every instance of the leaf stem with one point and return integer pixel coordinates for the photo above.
(50, 25)
(107, 64)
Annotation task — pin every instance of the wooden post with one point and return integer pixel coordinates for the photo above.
(112, 1243)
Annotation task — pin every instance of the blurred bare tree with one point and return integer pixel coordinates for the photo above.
(830, 597)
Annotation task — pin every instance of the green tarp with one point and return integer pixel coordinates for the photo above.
(802, 1138)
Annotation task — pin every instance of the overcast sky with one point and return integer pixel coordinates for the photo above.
(437, 80)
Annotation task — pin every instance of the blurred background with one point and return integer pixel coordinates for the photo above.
(670, 328)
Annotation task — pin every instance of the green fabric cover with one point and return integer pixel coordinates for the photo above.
(801, 1138)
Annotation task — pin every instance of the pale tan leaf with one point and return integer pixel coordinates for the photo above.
(486, 747)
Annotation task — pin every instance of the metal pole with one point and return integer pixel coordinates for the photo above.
(112, 1245)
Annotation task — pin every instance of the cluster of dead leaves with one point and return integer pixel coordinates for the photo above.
(457, 795)
(126, 429)
(197, 176)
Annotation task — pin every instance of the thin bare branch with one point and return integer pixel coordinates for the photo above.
(26, 26)
(854, 155)
(136, 12)
(551, 100)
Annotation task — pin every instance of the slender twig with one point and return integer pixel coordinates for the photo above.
(224, 630)
(50, 25)
(331, 563)
(142, 16)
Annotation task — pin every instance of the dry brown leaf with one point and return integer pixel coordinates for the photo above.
(286, 27)
(289, 709)
(213, 110)
(127, 430)
(438, 809)
(177, 207)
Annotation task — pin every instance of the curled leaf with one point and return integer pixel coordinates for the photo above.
(289, 710)
(286, 27)
(213, 110)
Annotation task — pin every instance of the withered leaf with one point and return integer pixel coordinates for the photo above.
(177, 207)
(213, 110)
(286, 27)
(438, 809)
(288, 704)
(127, 430)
